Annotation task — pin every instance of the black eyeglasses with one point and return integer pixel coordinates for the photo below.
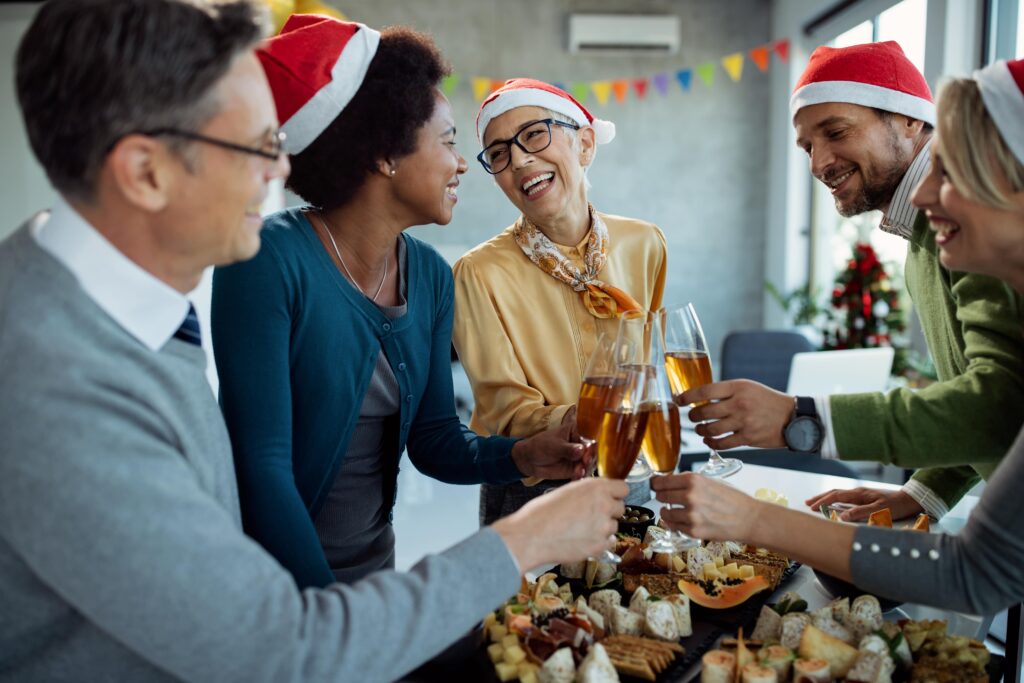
(272, 149)
(531, 138)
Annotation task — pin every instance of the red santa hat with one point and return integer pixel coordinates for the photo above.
(315, 66)
(1002, 89)
(875, 75)
(527, 92)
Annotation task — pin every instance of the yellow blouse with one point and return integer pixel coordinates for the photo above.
(524, 338)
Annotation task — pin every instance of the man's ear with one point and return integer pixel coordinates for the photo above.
(588, 145)
(910, 127)
(143, 171)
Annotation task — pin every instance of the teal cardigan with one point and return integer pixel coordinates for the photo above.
(295, 345)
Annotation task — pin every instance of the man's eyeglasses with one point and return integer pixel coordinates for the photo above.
(532, 138)
(272, 149)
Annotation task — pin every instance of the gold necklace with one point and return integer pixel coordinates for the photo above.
(347, 272)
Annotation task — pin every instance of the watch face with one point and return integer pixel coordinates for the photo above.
(803, 434)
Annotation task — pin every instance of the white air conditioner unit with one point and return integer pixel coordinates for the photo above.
(622, 32)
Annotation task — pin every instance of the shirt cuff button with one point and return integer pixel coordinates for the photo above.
(895, 552)
(857, 546)
(933, 554)
(915, 553)
(875, 548)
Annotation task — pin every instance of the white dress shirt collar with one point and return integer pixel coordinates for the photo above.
(149, 309)
(900, 216)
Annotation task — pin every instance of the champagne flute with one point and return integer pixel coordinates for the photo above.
(602, 386)
(623, 426)
(662, 440)
(689, 365)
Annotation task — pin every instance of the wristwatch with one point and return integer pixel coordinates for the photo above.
(804, 432)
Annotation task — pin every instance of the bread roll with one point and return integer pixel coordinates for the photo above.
(718, 666)
(811, 671)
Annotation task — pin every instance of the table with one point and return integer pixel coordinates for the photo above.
(464, 660)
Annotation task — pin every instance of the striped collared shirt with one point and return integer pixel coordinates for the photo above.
(899, 217)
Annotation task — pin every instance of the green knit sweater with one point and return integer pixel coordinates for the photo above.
(960, 427)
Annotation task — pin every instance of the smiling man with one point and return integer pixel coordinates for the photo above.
(864, 116)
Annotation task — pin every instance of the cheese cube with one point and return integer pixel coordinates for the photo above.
(514, 654)
(528, 677)
(506, 671)
(731, 571)
(719, 560)
(489, 619)
(511, 640)
(746, 572)
(496, 652)
(710, 569)
(498, 632)
(678, 564)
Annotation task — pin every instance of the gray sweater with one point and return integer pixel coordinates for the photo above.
(121, 553)
(977, 571)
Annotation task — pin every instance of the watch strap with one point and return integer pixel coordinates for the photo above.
(805, 406)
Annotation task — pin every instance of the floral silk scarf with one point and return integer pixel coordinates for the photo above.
(601, 299)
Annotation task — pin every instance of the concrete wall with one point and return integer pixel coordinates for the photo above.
(694, 163)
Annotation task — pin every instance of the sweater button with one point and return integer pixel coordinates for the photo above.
(915, 553)
(401, 367)
(875, 547)
(408, 398)
(857, 546)
(386, 327)
(895, 552)
(933, 554)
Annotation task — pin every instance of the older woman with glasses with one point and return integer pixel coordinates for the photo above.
(973, 196)
(532, 302)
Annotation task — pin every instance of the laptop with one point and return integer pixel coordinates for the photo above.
(821, 373)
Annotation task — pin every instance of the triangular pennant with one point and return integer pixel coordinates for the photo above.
(733, 65)
(481, 88)
(781, 48)
(602, 89)
(684, 76)
(580, 91)
(640, 85)
(661, 82)
(706, 72)
(620, 88)
(448, 83)
(495, 85)
(760, 56)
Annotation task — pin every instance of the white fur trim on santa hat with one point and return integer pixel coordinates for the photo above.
(864, 94)
(347, 74)
(532, 97)
(1005, 104)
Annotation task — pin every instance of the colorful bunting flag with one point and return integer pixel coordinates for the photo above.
(706, 72)
(781, 48)
(580, 92)
(760, 56)
(683, 77)
(603, 90)
(661, 82)
(481, 88)
(733, 65)
(449, 83)
(620, 88)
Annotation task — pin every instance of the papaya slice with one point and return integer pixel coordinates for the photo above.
(922, 523)
(723, 594)
(881, 517)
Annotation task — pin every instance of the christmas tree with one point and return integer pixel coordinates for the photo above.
(867, 308)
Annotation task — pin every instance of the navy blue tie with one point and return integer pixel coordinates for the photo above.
(189, 330)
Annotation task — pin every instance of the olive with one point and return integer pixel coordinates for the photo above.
(645, 518)
(633, 520)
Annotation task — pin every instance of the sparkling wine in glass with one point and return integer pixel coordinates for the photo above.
(689, 365)
(622, 430)
(662, 440)
(602, 386)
